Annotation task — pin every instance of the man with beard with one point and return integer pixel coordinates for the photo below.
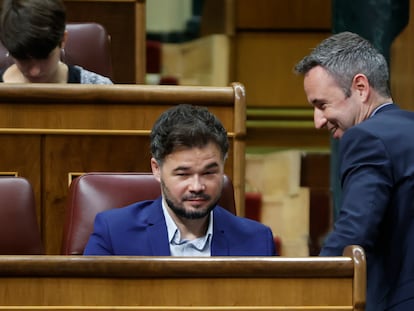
(189, 147)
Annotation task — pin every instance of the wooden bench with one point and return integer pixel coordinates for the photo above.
(183, 283)
(51, 134)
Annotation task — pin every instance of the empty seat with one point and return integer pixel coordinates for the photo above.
(19, 230)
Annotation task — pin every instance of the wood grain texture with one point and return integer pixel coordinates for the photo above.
(51, 132)
(216, 283)
(124, 21)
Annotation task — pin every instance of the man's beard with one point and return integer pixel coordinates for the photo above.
(179, 209)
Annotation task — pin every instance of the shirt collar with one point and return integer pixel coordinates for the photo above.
(174, 235)
(379, 107)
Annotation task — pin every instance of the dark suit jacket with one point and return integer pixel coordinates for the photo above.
(140, 229)
(377, 210)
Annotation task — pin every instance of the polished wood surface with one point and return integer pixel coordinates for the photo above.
(265, 63)
(402, 65)
(267, 38)
(50, 133)
(315, 175)
(183, 283)
(291, 15)
(125, 22)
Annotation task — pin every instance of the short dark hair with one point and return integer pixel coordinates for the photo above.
(32, 28)
(187, 126)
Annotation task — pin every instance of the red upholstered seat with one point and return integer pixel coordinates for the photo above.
(92, 193)
(19, 230)
(88, 45)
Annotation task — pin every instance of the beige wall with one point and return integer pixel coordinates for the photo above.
(167, 15)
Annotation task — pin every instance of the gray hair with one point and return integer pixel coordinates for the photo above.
(346, 54)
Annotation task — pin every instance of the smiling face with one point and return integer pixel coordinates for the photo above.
(191, 180)
(332, 109)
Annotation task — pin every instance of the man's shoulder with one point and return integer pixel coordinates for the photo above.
(390, 117)
(237, 222)
(133, 208)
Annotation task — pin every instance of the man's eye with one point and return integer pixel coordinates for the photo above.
(210, 173)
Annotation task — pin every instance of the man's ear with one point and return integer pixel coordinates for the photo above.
(156, 169)
(361, 85)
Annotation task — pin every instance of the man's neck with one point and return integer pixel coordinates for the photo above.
(373, 104)
(190, 229)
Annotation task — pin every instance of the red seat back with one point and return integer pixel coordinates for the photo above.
(92, 193)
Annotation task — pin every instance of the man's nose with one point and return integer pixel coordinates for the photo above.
(319, 119)
(197, 184)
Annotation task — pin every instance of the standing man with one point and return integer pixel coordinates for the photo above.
(346, 80)
(189, 147)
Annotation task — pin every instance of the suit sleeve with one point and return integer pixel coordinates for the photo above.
(366, 180)
(271, 243)
(99, 241)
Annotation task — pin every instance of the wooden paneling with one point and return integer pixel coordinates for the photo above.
(293, 14)
(315, 174)
(65, 154)
(268, 44)
(284, 128)
(144, 283)
(231, 16)
(273, 138)
(125, 22)
(265, 63)
(50, 132)
(402, 65)
(20, 154)
(268, 38)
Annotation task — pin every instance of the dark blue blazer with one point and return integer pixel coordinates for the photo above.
(377, 210)
(140, 229)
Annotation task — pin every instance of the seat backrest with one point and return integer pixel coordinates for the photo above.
(19, 230)
(87, 45)
(92, 193)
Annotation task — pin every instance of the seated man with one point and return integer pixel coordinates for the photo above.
(189, 147)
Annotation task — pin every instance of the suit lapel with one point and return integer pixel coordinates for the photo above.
(158, 235)
(157, 230)
(219, 244)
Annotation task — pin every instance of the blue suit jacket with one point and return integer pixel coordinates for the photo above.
(377, 210)
(140, 229)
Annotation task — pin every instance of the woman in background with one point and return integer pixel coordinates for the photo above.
(33, 32)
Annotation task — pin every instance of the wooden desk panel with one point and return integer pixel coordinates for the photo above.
(283, 15)
(183, 283)
(20, 156)
(167, 294)
(50, 132)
